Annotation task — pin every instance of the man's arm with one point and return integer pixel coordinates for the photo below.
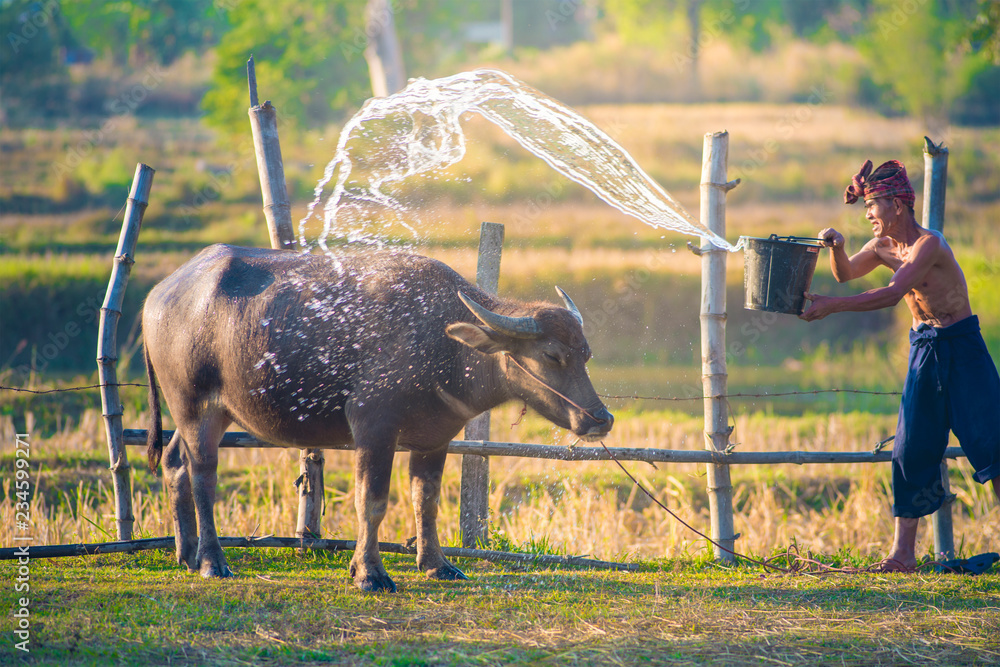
(908, 276)
(847, 268)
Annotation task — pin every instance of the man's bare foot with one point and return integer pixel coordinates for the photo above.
(901, 563)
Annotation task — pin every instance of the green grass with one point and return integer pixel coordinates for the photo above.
(285, 609)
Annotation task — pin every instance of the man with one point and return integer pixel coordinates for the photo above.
(951, 381)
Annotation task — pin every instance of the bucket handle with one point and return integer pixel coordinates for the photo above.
(796, 239)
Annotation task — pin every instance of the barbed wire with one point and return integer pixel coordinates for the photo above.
(635, 397)
(56, 391)
(744, 395)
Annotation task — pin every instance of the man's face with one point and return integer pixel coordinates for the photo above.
(883, 213)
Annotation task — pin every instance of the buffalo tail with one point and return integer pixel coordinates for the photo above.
(154, 435)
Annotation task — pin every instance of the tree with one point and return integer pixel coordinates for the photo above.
(32, 75)
(132, 32)
(915, 51)
(384, 54)
(310, 55)
(985, 31)
(656, 23)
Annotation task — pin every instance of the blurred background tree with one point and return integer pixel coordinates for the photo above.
(937, 60)
(33, 76)
(136, 32)
(918, 53)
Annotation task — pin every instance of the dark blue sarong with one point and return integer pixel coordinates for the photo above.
(951, 383)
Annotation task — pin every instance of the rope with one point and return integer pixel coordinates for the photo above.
(796, 563)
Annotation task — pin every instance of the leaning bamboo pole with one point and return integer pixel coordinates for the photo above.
(713, 340)
(935, 188)
(107, 346)
(474, 513)
(278, 211)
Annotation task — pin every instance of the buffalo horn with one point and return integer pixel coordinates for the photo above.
(518, 327)
(570, 306)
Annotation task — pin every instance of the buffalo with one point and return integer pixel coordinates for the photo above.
(385, 349)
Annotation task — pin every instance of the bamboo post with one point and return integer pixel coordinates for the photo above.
(713, 338)
(935, 184)
(474, 515)
(278, 211)
(270, 168)
(935, 187)
(107, 346)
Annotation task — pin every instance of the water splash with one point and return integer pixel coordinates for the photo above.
(418, 130)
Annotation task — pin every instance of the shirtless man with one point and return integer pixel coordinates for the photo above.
(951, 382)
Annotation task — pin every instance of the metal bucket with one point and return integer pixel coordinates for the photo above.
(777, 271)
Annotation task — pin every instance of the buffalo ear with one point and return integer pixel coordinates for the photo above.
(475, 337)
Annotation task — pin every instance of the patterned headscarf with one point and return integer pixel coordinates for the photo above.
(889, 180)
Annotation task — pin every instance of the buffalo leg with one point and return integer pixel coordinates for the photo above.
(373, 470)
(203, 463)
(178, 479)
(425, 487)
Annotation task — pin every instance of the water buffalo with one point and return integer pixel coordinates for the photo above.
(383, 349)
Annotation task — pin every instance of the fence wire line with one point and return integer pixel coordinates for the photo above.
(56, 391)
(742, 395)
(610, 396)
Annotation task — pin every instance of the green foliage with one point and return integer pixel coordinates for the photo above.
(131, 32)
(309, 56)
(32, 75)
(33, 33)
(914, 52)
(978, 78)
(307, 61)
(58, 300)
(984, 32)
(642, 21)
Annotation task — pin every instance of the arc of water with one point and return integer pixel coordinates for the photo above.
(432, 110)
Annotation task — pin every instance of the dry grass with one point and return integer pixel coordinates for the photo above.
(579, 508)
(290, 610)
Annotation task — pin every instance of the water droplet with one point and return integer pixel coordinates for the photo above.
(429, 139)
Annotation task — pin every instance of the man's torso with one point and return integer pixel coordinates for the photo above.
(942, 297)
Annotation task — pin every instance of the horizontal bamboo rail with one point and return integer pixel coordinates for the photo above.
(148, 544)
(137, 437)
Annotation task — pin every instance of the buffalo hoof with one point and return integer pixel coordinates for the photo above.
(447, 572)
(215, 569)
(372, 580)
(376, 584)
(187, 555)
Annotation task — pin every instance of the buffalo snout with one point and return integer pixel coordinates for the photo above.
(596, 424)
